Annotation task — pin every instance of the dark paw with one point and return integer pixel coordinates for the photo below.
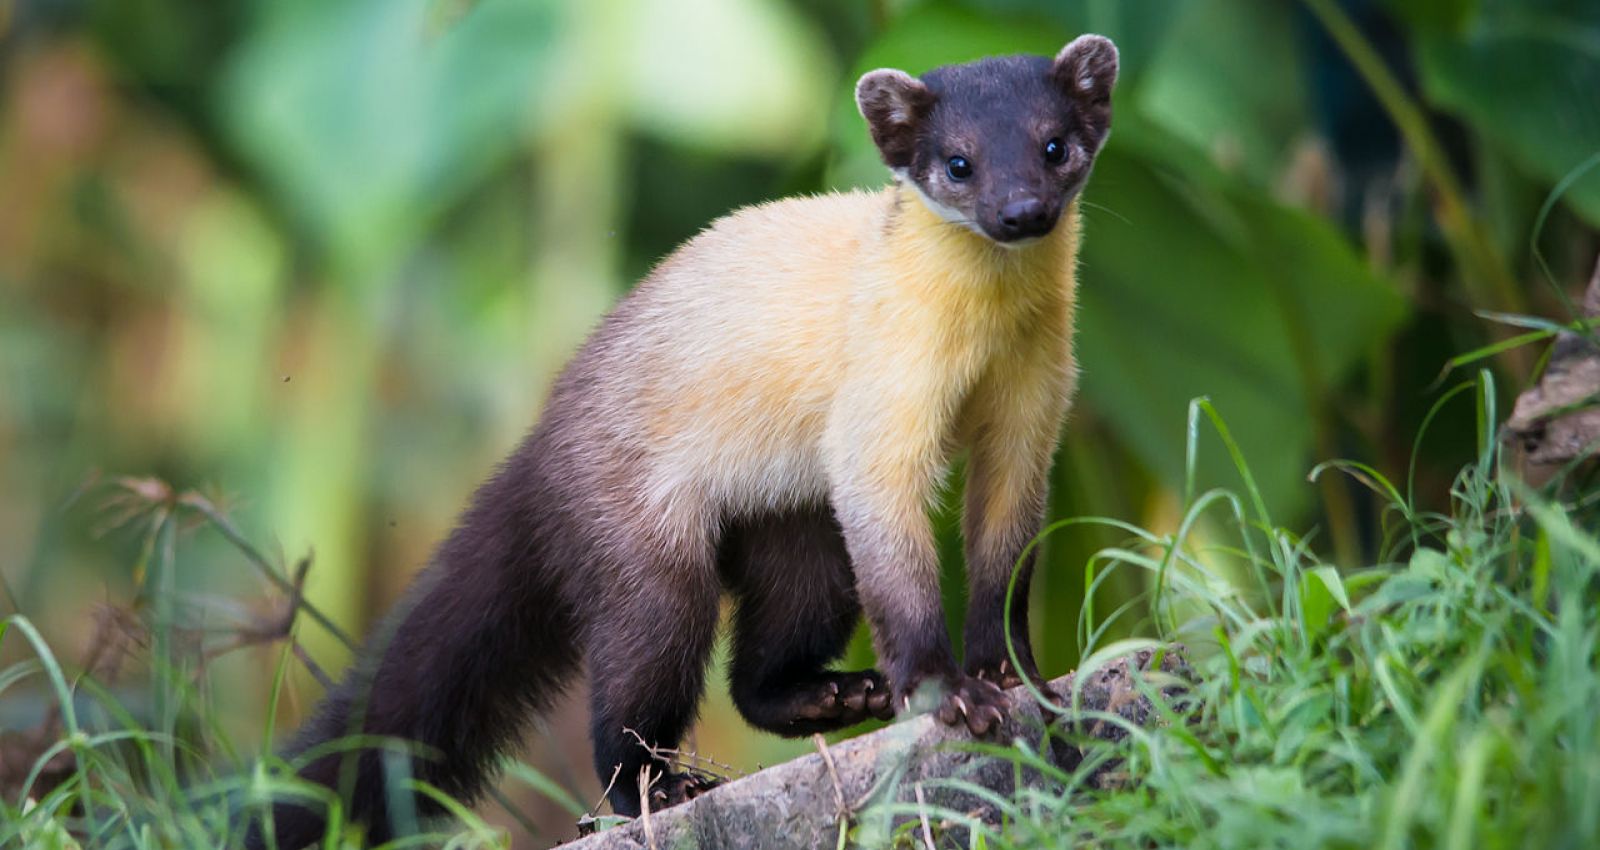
(975, 703)
(846, 699)
(675, 788)
(1005, 677)
(819, 703)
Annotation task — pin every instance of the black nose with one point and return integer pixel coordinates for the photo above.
(1025, 218)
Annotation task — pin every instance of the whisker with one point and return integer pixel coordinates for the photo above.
(1107, 210)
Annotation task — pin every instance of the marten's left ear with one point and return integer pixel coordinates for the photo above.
(1087, 69)
(894, 104)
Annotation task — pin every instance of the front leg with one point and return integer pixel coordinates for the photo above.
(1002, 515)
(886, 463)
(897, 578)
(1012, 442)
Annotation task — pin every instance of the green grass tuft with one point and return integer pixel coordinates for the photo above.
(1448, 696)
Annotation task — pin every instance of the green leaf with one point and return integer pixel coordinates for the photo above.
(546, 786)
(1316, 607)
(1246, 108)
(369, 122)
(1201, 285)
(1448, 15)
(740, 75)
(1525, 75)
(1335, 585)
(1321, 593)
(1139, 27)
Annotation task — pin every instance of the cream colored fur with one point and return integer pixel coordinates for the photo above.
(844, 347)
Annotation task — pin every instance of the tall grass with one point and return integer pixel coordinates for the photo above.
(1446, 696)
(162, 772)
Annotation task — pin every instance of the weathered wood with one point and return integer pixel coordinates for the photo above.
(1557, 422)
(799, 805)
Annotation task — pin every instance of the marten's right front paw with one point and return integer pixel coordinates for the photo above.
(974, 702)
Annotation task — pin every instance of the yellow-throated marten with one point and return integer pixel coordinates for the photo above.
(770, 413)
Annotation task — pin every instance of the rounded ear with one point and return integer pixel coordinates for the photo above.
(894, 104)
(1087, 70)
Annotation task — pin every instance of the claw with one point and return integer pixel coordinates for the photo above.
(975, 703)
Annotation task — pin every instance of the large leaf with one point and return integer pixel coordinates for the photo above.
(368, 117)
(1137, 26)
(1526, 74)
(741, 75)
(1200, 284)
(1228, 82)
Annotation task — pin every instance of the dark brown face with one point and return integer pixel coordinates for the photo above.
(1000, 145)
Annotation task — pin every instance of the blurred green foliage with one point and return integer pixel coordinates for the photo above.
(326, 258)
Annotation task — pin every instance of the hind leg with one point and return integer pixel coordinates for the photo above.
(796, 609)
(648, 649)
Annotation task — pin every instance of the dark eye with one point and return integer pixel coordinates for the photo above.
(1055, 152)
(959, 168)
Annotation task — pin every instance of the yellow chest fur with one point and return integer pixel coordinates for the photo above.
(793, 334)
(956, 301)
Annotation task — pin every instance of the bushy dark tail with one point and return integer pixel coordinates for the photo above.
(483, 640)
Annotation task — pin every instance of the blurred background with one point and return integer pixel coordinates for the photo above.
(321, 262)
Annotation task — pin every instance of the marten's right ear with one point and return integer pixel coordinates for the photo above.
(894, 104)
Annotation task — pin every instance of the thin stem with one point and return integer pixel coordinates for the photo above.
(266, 568)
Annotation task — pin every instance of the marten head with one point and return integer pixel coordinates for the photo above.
(1000, 145)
